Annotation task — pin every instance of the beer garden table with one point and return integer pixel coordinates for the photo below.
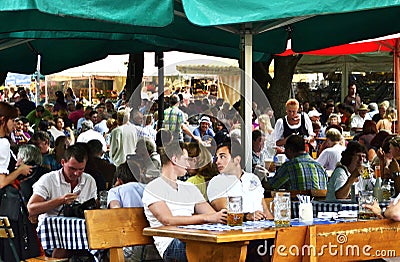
(367, 237)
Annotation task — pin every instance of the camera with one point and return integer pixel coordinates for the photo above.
(76, 209)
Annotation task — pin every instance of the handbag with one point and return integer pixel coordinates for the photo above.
(76, 209)
(10, 204)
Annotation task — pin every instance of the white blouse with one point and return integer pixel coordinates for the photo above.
(4, 155)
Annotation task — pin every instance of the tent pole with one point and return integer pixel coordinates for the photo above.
(159, 61)
(46, 94)
(246, 96)
(90, 90)
(39, 58)
(396, 70)
(345, 80)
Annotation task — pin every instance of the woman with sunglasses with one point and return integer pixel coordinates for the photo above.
(11, 204)
(347, 172)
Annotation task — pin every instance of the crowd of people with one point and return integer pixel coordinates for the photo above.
(182, 172)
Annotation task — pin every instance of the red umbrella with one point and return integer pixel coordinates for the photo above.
(383, 44)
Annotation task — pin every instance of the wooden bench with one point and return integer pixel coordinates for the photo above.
(7, 232)
(116, 228)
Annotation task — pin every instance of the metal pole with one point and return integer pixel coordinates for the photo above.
(248, 97)
(90, 90)
(159, 62)
(345, 81)
(246, 93)
(396, 70)
(38, 80)
(46, 98)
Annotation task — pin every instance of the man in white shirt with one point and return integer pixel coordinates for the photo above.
(88, 134)
(357, 121)
(233, 181)
(170, 202)
(57, 188)
(331, 155)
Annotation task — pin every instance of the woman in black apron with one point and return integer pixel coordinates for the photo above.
(25, 242)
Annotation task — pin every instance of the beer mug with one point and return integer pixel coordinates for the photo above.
(235, 210)
(281, 209)
(365, 198)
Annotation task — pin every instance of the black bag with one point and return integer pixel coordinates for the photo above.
(25, 239)
(77, 209)
(10, 203)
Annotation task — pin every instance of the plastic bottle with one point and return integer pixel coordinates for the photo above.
(353, 193)
(377, 190)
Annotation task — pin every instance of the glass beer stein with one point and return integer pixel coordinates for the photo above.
(281, 209)
(235, 211)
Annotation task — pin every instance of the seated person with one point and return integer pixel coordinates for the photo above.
(101, 170)
(233, 181)
(347, 172)
(202, 168)
(204, 130)
(169, 201)
(150, 159)
(41, 139)
(57, 188)
(301, 172)
(128, 193)
(333, 151)
(392, 211)
(258, 153)
(31, 155)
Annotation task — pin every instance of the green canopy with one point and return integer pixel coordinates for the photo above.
(207, 27)
(72, 32)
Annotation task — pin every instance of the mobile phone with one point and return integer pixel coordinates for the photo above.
(77, 190)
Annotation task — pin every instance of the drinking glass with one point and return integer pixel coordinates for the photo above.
(103, 199)
(281, 209)
(235, 210)
(365, 197)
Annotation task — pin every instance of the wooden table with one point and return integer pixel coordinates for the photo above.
(203, 245)
(371, 239)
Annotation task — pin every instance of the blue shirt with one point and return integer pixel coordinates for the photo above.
(128, 195)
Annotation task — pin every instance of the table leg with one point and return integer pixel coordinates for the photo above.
(226, 252)
(116, 254)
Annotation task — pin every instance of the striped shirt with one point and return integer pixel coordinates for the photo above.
(300, 173)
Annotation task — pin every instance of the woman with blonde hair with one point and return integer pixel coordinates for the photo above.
(383, 119)
(201, 168)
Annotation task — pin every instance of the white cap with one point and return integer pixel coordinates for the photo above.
(314, 113)
(205, 119)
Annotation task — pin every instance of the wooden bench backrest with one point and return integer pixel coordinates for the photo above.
(354, 241)
(5, 228)
(286, 240)
(293, 193)
(116, 228)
